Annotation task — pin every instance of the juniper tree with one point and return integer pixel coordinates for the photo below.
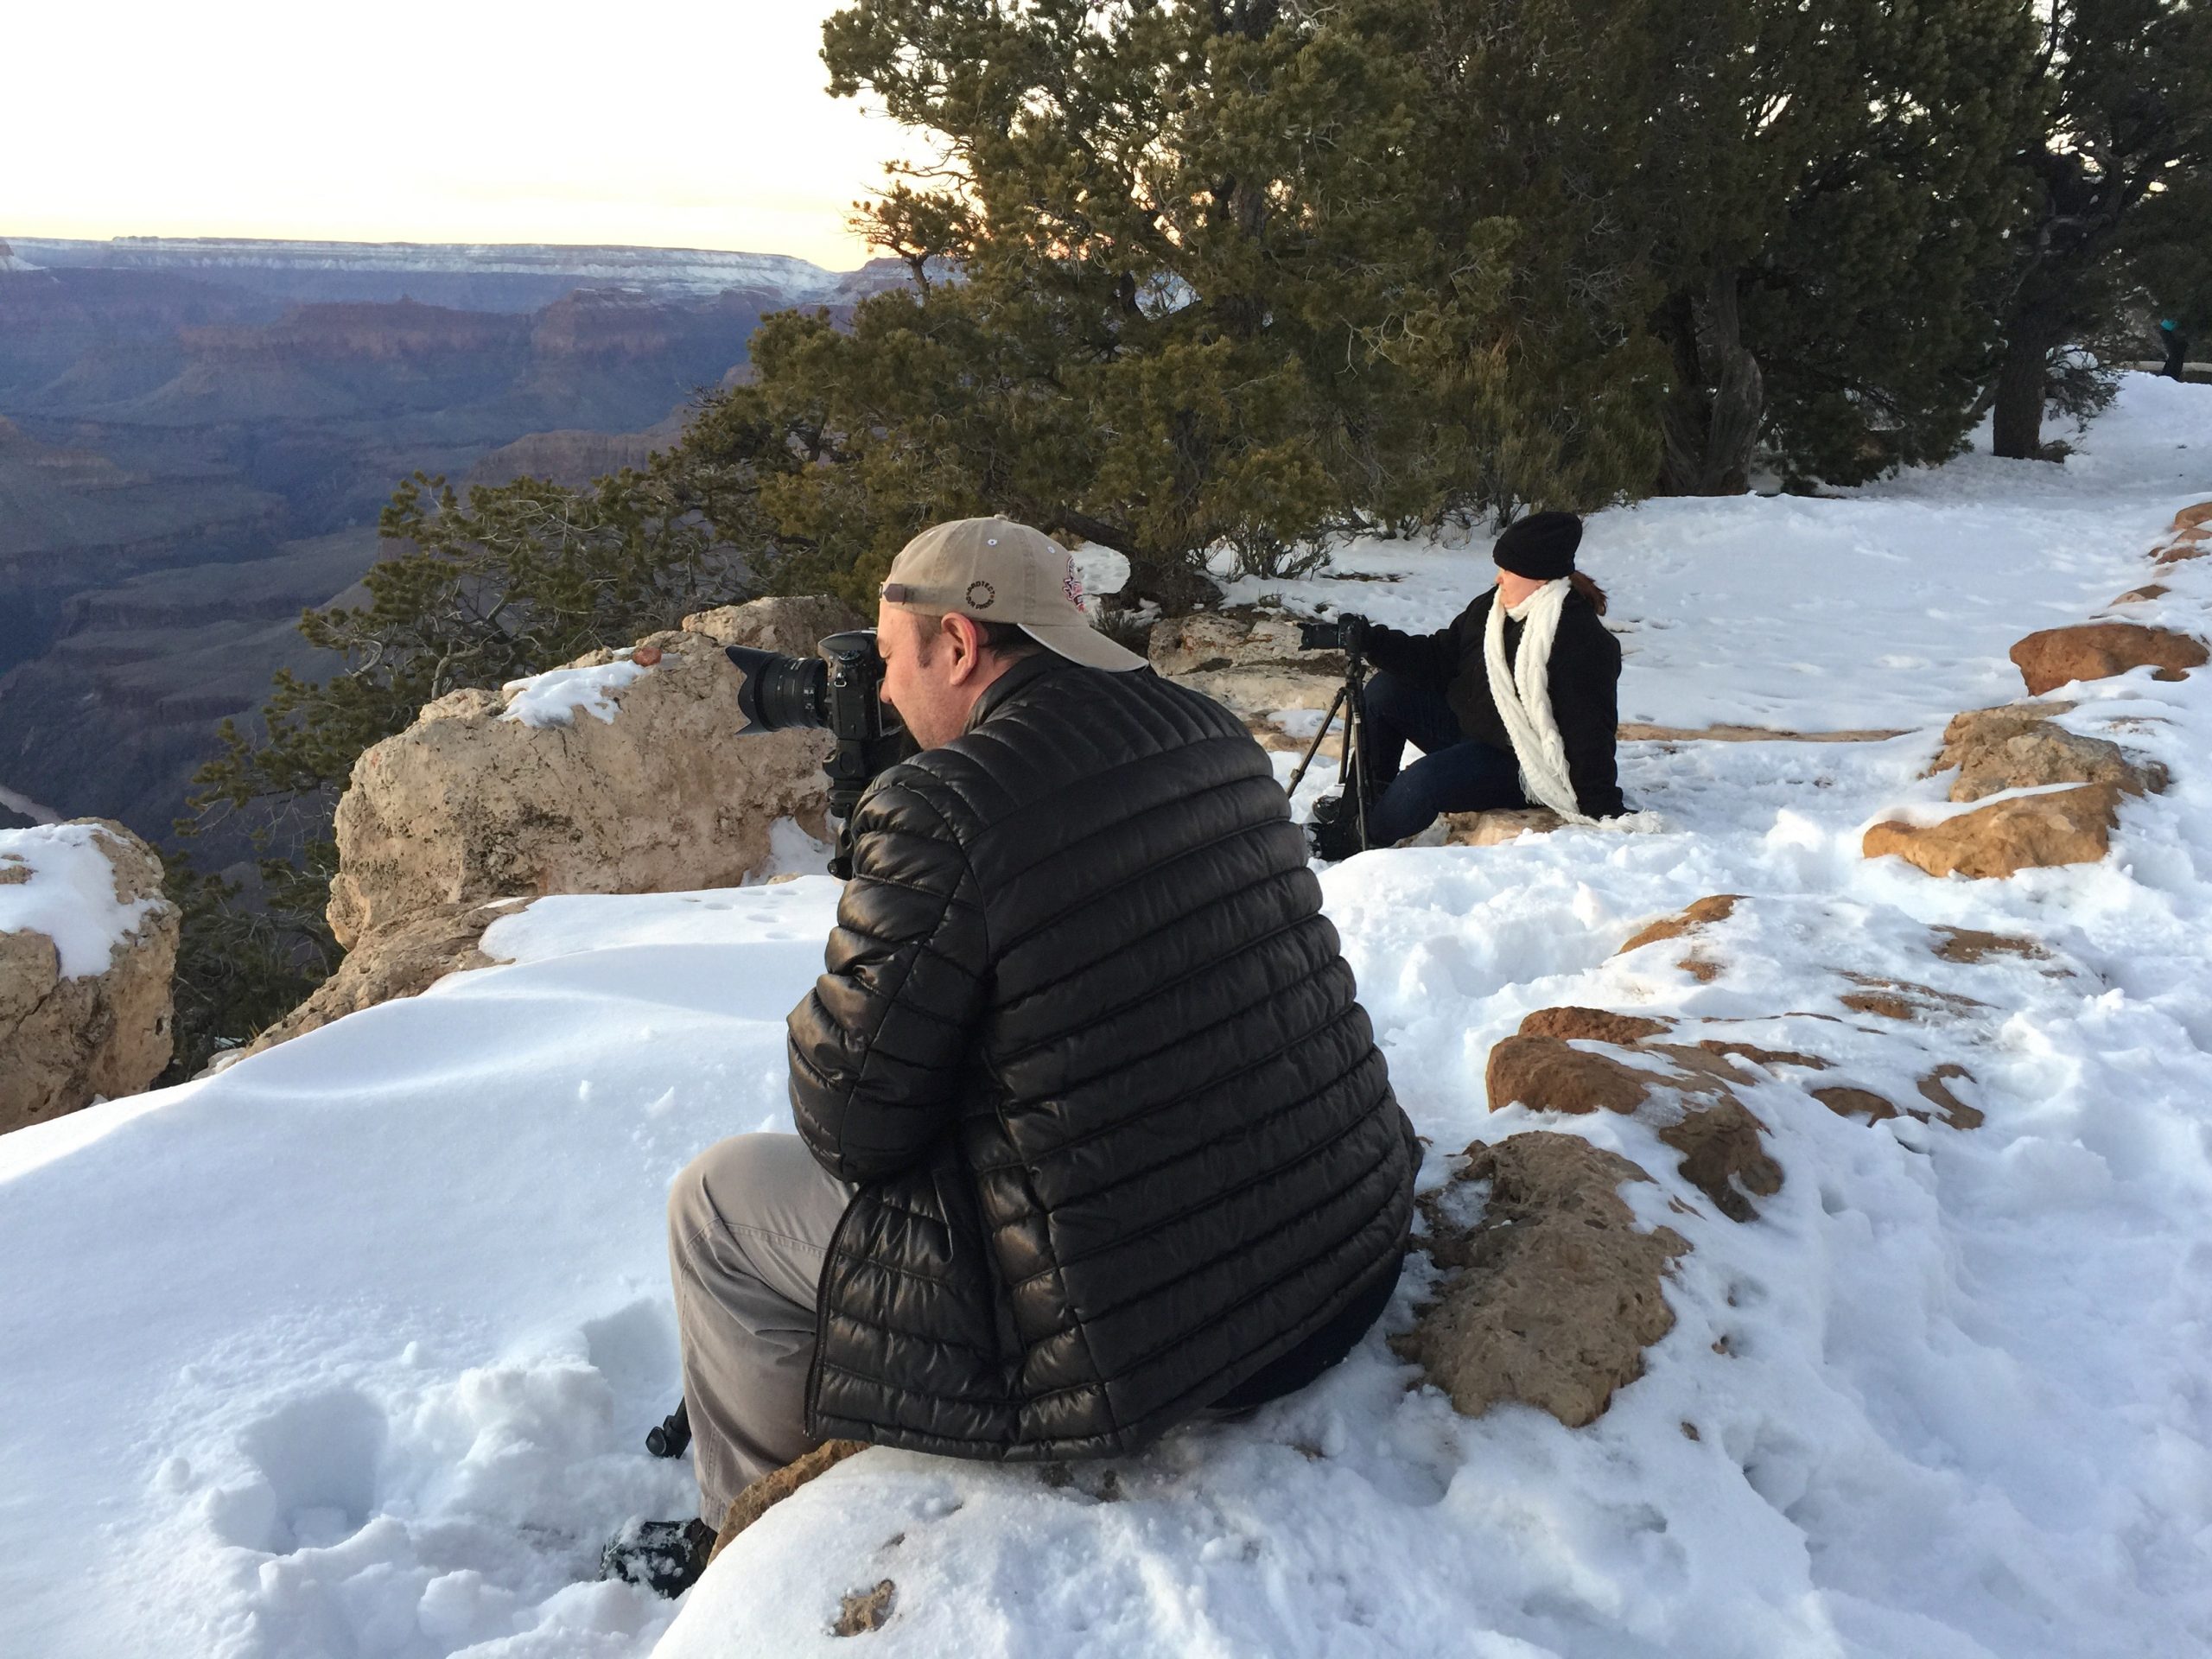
(2117, 165)
(503, 583)
(1824, 194)
(1232, 274)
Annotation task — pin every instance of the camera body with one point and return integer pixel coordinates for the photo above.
(1348, 633)
(840, 692)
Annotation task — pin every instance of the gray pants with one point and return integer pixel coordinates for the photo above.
(748, 1222)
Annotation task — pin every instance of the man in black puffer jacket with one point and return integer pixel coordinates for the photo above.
(1099, 1137)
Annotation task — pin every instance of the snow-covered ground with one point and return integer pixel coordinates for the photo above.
(350, 1349)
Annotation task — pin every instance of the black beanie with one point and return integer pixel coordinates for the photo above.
(1540, 547)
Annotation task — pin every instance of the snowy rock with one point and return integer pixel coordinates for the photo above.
(1846, 1102)
(665, 791)
(1725, 1156)
(2067, 826)
(1592, 1024)
(773, 1488)
(1696, 1111)
(1935, 1090)
(862, 1611)
(1248, 663)
(1708, 911)
(1549, 1075)
(2144, 595)
(87, 958)
(404, 958)
(1973, 946)
(2183, 546)
(1705, 913)
(2194, 518)
(1904, 1000)
(2017, 746)
(1557, 1291)
(795, 625)
(2096, 650)
(1494, 829)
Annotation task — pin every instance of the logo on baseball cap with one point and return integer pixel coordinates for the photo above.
(995, 570)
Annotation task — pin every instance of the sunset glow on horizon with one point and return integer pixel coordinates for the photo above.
(662, 123)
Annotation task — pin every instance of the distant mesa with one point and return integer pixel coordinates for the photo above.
(11, 261)
(520, 276)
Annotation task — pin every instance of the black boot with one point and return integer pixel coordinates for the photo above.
(667, 1556)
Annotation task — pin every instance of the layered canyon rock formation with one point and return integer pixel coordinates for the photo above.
(196, 436)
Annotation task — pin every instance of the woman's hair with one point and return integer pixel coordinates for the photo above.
(1589, 590)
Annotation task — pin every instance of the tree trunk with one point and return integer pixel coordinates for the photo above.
(2016, 415)
(1175, 583)
(1712, 422)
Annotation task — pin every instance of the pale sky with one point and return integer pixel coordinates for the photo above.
(652, 122)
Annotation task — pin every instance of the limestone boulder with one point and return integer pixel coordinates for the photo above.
(1708, 911)
(1248, 663)
(2068, 826)
(1494, 829)
(2096, 650)
(1971, 946)
(1554, 1290)
(638, 776)
(1935, 1090)
(87, 967)
(1689, 1100)
(402, 959)
(796, 626)
(1725, 1156)
(1592, 1024)
(1549, 1075)
(2018, 746)
(773, 1488)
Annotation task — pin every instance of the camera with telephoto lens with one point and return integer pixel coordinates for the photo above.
(840, 692)
(1347, 634)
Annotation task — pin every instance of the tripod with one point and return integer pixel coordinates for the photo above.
(1351, 702)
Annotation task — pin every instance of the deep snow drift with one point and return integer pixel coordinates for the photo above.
(349, 1350)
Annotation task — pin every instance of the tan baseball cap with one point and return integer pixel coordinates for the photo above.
(995, 570)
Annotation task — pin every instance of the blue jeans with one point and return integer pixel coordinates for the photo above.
(1456, 773)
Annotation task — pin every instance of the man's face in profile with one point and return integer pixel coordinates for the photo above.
(932, 671)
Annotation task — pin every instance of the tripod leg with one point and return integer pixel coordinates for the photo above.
(1298, 776)
(1356, 754)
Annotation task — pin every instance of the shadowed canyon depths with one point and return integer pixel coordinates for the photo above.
(196, 436)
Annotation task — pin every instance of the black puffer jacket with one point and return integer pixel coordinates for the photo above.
(1584, 678)
(1086, 1041)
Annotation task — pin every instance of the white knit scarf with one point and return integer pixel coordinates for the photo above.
(1524, 697)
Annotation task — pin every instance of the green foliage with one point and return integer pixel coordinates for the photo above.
(1825, 203)
(514, 581)
(241, 966)
(1246, 275)
(1237, 276)
(2117, 162)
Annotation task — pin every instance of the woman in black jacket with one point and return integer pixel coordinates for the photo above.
(1518, 714)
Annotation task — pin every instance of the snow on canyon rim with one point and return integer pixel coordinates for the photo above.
(350, 1349)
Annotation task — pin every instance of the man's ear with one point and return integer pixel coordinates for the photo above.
(967, 643)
